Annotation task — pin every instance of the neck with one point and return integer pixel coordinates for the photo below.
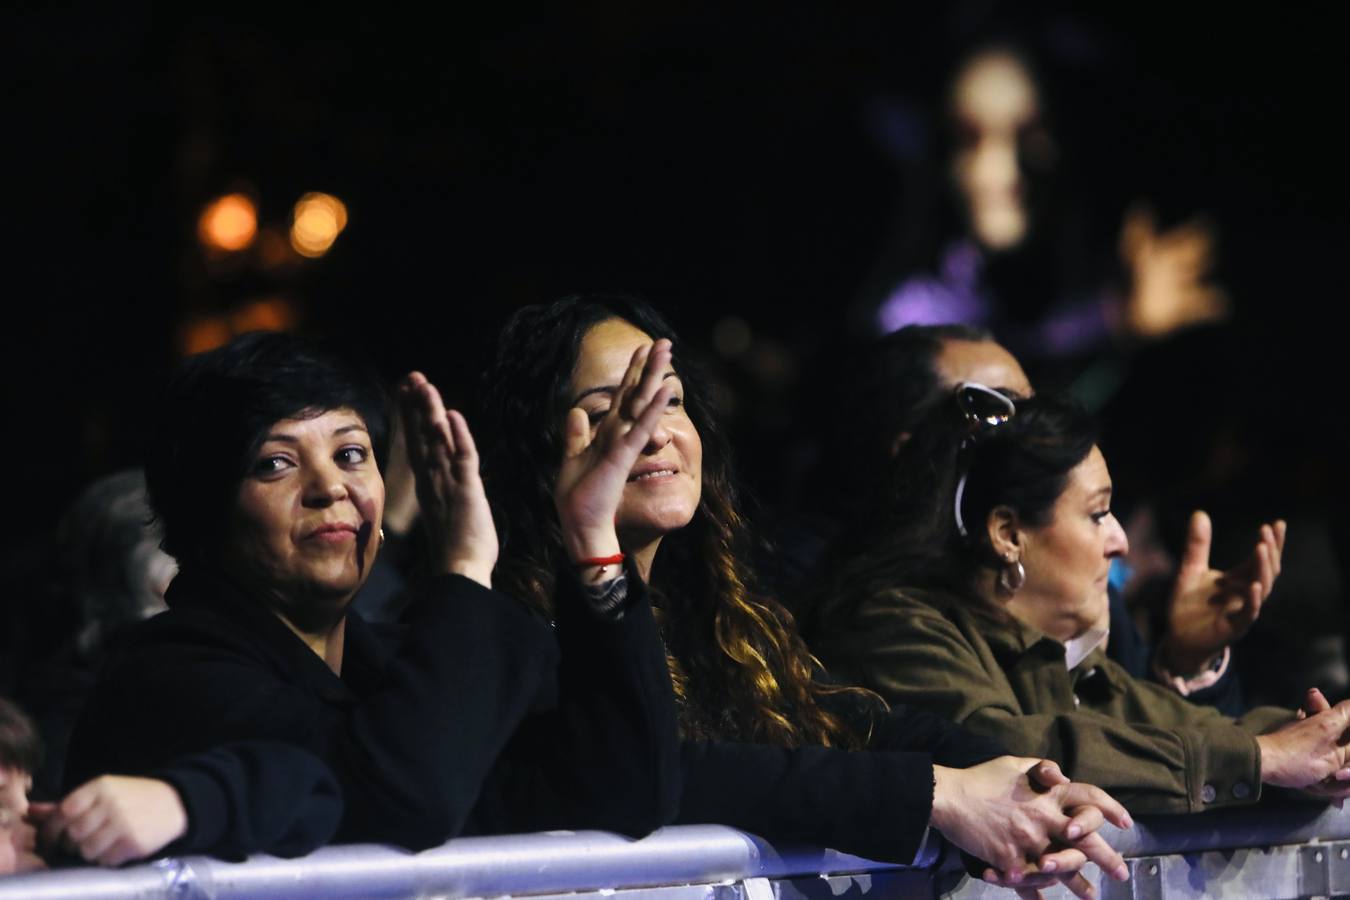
(643, 557)
(327, 642)
(1021, 606)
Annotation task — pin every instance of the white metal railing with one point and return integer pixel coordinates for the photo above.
(1286, 851)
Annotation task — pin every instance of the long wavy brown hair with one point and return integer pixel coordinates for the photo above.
(739, 668)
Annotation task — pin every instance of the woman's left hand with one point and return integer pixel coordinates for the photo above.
(455, 510)
(595, 467)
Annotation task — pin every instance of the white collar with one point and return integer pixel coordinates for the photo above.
(1077, 649)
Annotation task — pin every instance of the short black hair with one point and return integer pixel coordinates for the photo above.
(216, 411)
(20, 746)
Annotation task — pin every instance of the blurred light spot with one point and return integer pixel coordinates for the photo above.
(731, 336)
(267, 314)
(228, 223)
(202, 335)
(316, 222)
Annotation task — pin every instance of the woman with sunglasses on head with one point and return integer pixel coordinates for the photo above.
(766, 739)
(984, 599)
(259, 713)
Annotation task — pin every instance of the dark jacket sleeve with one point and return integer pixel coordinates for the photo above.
(254, 795)
(910, 728)
(875, 804)
(606, 754)
(410, 756)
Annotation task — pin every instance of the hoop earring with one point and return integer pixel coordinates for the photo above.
(1012, 576)
(381, 537)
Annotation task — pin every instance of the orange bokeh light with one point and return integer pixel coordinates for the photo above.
(316, 222)
(228, 223)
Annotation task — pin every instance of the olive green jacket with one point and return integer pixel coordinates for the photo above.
(1150, 748)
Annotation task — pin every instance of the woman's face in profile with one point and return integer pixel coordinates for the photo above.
(664, 486)
(308, 515)
(1068, 561)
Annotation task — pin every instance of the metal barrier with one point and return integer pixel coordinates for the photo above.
(1290, 851)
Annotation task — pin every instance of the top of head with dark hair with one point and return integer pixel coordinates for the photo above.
(20, 745)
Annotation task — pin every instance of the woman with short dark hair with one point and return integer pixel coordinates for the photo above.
(263, 714)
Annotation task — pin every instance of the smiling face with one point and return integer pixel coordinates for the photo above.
(304, 528)
(1068, 560)
(666, 483)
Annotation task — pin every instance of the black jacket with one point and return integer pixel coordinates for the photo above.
(471, 716)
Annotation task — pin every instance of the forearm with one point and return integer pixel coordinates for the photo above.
(254, 797)
(875, 804)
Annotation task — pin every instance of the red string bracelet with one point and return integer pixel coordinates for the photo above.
(600, 561)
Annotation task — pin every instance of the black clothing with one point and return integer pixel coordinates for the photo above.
(421, 729)
(874, 803)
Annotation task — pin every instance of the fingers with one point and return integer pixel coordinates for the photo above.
(576, 432)
(1315, 702)
(1280, 527)
(1199, 535)
(1047, 774)
(1070, 859)
(1080, 887)
(1079, 795)
(424, 414)
(1084, 821)
(1096, 849)
(653, 373)
(464, 452)
(642, 430)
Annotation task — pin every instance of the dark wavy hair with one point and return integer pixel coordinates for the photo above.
(740, 670)
(217, 410)
(1023, 464)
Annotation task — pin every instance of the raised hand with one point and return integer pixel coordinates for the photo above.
(596, 465)
(455, 511)
(1211, 609)
(113, 819)
(1168, 272)
(1024, 818)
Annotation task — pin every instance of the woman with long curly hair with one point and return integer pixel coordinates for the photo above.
(766, 736)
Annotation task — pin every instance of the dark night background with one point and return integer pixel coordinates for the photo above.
(722, 161)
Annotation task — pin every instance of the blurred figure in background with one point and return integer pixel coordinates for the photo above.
(109, 573)
(997, 237)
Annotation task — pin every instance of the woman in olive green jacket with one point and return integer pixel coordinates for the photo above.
(985, 600)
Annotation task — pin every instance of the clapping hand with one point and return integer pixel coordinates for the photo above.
(455, 511)
(1211, 609)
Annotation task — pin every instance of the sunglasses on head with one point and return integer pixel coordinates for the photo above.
(984, 408)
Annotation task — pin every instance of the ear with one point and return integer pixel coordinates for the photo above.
(1005, 532)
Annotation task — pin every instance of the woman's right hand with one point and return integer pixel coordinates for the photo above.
(1028, 821)
(455, 511)
(595, 467)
